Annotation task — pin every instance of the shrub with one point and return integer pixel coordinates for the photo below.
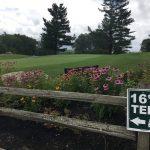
(30, 79)
(144, 81)
(139, 76)
(107, 80)
(27, 79)
(73, 81)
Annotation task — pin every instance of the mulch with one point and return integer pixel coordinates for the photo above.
(27, 135)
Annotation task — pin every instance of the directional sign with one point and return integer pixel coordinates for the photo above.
(138, 110)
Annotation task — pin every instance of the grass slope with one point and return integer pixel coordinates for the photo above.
(11, 56)
(55, 64)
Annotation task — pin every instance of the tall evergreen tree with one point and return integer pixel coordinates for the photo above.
(115, 24)
(55, 35)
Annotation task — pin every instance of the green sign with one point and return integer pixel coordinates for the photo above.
(138, 110)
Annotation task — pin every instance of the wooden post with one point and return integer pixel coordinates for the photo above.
(143, 138)
(143, 141)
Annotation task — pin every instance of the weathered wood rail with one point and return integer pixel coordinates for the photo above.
(112, 130)
(109, 129)
(71, 96)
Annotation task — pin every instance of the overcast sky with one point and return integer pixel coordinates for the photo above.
(25, 17)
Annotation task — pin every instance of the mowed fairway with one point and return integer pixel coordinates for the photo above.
(55, 64)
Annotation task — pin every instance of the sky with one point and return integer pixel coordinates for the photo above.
(26, 17)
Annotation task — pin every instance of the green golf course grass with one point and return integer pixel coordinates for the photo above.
(55, 64)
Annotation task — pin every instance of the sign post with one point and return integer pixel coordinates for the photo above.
(138, 115)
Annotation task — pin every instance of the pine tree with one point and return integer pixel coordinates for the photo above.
(55, 35)
(115, 24)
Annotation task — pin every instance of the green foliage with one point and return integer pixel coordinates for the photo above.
(106, 80)
(10, 101)
(93, 42)
(145, 78)
(31, 103)
(6, 67)
(60, 104)
(108, 111)
(115, 24)
(29, 79)
(83, 43)
(18, 44)
(55, 35)
(100, 41)
(74, 83)
(145, 46)
(139, 77)
(133, 78)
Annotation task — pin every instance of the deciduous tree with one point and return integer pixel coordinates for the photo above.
(96, 41)
(145, 46)
(16, 43)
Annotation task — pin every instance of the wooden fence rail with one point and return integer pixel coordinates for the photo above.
(71, 96)
(113, 130)
(108, 129)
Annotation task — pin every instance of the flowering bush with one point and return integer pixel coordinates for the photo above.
(107, 80)
(31, 103)
(28, 79)
(74, 81)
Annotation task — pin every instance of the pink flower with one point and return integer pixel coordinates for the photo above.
(120, 76)
(104, 72)
(119, 82)
(106, 87)
(96, 77)
(109, 79)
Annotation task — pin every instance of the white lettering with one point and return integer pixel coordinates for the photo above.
(143, 99)
(143, 110)
(135, 108)
(134, 98)
(148, 112)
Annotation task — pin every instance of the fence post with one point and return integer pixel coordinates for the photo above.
(143, 141)
(143, 138)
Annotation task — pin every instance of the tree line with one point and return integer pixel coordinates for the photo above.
(17, 44)
(112, 36)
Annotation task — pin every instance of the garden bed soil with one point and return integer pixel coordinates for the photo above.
(26, 135)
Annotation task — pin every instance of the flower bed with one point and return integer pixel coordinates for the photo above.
(106, 80)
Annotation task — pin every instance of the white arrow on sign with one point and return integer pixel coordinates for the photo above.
(138, 121)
